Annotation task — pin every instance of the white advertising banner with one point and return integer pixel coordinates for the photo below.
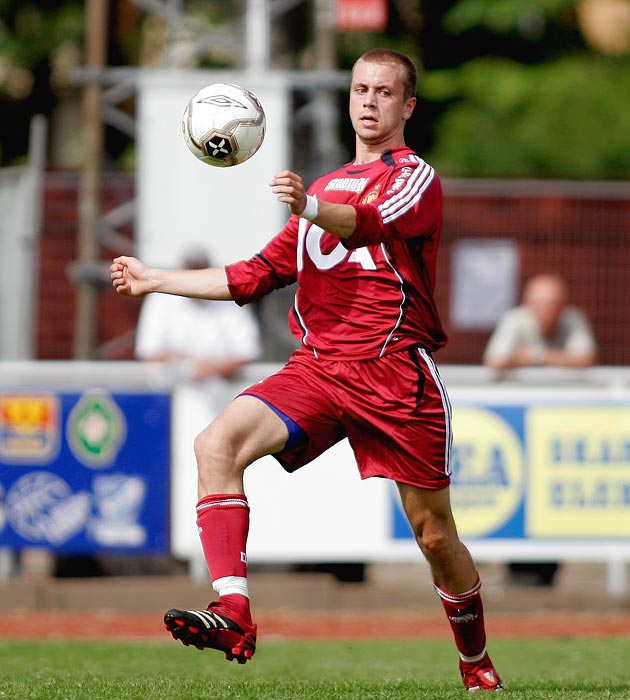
(538, 473)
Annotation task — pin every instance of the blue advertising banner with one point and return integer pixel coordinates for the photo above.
(85, 472)
(538, 471)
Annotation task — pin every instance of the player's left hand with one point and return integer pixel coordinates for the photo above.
(289, 187)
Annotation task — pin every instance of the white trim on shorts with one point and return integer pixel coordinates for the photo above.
(446, 403)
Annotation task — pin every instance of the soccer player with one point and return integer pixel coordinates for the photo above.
(362, 244)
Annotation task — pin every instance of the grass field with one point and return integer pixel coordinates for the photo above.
(558, 669)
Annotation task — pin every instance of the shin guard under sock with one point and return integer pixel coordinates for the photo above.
(223, 524)
(465, 615)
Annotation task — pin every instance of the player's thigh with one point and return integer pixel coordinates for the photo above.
(244, 431)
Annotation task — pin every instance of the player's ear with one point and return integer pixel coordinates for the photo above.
(410, 106)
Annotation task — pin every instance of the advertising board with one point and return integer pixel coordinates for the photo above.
(84, 471)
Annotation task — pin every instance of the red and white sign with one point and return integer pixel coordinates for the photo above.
(361, 15)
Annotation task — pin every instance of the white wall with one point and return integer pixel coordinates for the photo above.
(21, 196)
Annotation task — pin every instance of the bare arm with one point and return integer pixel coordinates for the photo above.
(567, 358)
(338, 219)
(550, 357)
(130, 277)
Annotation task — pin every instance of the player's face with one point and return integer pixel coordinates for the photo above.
(378, 107)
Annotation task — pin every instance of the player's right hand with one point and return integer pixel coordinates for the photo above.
(289, 187)
(130, 277)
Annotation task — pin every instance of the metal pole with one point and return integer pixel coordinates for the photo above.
(327, 131)
(38, 135)
(90, 187)
(257, 36)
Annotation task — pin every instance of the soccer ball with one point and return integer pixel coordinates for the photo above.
(224, 124)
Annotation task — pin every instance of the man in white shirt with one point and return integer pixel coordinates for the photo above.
(201, 342)
(544, 330)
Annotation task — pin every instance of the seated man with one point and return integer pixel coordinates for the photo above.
(544, 330)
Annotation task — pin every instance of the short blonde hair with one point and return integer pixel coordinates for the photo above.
(381, 55)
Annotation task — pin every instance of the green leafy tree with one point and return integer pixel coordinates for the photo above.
(527, 97)
(560, 119)
(528, 18)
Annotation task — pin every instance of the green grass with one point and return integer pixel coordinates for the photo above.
(560, 669)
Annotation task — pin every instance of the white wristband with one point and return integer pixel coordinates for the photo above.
(311, 209)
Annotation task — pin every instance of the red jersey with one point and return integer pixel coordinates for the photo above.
(372, 293)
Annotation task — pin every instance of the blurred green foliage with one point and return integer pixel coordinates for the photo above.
(40, 45)
(525, 17)
(560, 119)
(31, 34)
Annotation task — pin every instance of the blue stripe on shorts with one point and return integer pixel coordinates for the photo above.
(297, 435)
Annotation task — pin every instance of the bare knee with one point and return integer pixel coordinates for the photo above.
(212, 444)
(431, 519)
(436, 543)
(218, 468)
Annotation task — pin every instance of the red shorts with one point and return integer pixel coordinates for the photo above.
(394, 410)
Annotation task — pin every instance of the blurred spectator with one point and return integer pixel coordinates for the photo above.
(203, 342)
(544, 330)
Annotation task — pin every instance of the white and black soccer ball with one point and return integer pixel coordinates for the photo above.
(224, 124)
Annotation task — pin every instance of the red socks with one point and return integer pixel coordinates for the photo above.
(465, 615)
(223, 523)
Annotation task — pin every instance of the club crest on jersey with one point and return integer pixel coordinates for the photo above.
(371, 196)
(349, 184)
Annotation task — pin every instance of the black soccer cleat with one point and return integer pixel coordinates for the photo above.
(216, 627)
